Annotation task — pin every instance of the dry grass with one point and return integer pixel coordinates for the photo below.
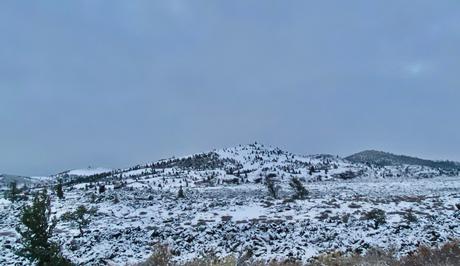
(373, 257)
(447, 255)
(161, 257)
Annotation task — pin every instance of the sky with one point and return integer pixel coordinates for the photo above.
(115, 83)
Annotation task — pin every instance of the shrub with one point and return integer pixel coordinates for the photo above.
(161, 257)
(115, 199)
(273, 189)
(410, 217)
(81, 216)
(376, 215)
(212, 261)
(373, 257)
(300, 192)
(446, 255)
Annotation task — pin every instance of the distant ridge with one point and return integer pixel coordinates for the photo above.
(388, 159)
(16, 178)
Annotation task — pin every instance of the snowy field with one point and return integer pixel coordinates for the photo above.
(234, 219)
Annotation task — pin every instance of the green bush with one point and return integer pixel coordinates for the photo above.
(376, 215)
(36, 231)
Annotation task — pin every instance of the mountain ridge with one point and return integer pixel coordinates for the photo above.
(382, 158)
(253, 162)
(258, 159)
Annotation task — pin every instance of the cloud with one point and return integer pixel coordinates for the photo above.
(415, 69)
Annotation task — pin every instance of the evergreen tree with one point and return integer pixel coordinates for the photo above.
(58, 189)
(312, 170)
(273, 189)
(181, 194)
(36, 231)
(12, 192)
(81, 217)
(101, 189)
(300, 192)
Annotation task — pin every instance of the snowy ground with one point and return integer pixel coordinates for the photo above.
(234, 219)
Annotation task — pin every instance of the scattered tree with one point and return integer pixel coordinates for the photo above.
(273, 189)
(300, 192)
(376, 215)
(13, 192)
(81, 217)
(36, 231)
(93, 197)
(101, 189)
(312, 170)
(181, 194)
(58, 189)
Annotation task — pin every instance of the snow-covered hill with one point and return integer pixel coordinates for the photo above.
(21, 181)
(227, 209)
(252, 163)
(388, 159)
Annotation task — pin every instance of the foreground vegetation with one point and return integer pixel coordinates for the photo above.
(446, 255)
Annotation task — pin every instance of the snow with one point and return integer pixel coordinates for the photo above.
(89, 171)
(4, 202)
(230, 218)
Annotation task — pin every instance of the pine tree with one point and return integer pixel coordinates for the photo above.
(12, 192)
(36, 231)
(181, 194)
(300, 192)
(58, 189)
(312, 170)
(81, 217)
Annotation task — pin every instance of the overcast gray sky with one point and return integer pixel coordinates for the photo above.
(115, 83)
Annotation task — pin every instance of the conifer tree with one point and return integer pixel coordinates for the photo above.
(181, 194)
(300, 192)
(81, 216)
(36, 231)
(58, 189)
(12, 192)
(101, 189)
(311, 170)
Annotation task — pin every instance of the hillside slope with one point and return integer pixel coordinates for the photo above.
(226, 208)
(388, 159)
